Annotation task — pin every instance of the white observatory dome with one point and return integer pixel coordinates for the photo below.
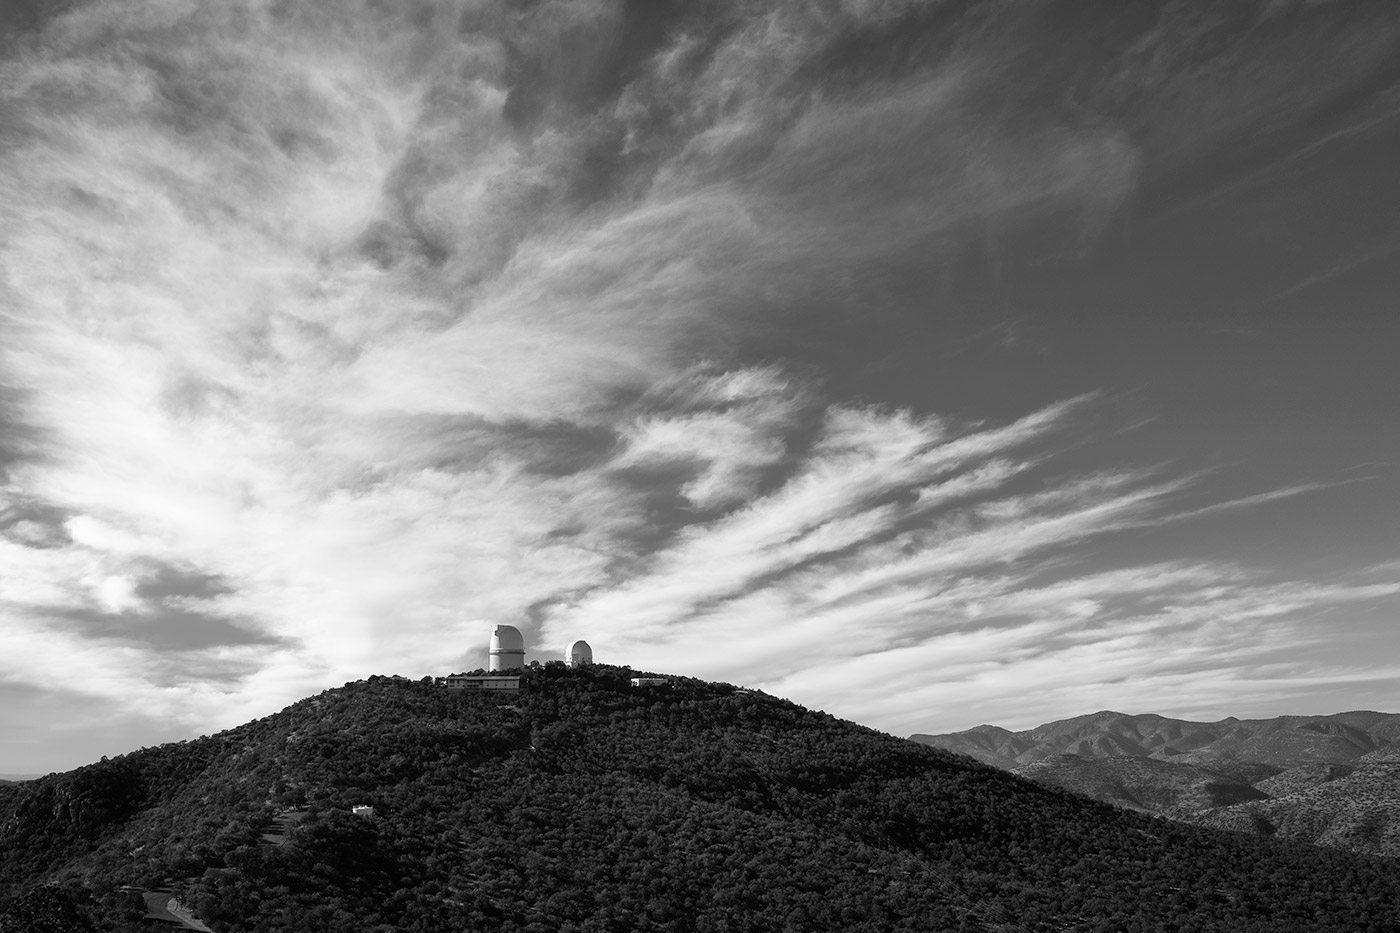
(579, 654)
(507, 648)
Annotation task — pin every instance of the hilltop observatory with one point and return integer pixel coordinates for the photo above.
(507, 648)
(579, 654)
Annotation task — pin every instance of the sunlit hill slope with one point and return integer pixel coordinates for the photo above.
(1330, 780)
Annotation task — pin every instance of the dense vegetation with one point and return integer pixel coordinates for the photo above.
(583, 804)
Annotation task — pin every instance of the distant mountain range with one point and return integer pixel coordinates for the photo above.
(1332, 780)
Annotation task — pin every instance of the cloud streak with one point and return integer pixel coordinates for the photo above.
(398, 321)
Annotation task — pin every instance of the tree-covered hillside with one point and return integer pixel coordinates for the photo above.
(584, 804)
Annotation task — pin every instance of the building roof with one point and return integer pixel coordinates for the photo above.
(507, 638)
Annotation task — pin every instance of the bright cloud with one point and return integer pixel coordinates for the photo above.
(333, 333)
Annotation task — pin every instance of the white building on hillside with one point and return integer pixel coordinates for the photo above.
(579, 654)
(507, 648)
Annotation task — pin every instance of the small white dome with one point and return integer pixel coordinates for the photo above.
(579, 653)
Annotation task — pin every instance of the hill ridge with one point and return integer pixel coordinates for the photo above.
(1319, 778)
(1219, 737)
(584, 804)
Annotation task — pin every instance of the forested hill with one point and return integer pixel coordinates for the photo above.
(584, 804)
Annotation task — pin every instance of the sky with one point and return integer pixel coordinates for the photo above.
(930, 363)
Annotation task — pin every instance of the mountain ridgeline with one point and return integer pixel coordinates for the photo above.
(1279, 743)
(583, 803)
(1330, 780)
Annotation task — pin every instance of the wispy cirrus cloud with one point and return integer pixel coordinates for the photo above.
(912, 553)
(399, 322)
(1188, 640)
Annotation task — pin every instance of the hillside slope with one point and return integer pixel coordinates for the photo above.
(1355, 807)
(1141, 783)
(1327, 780)
(583, 804)
(1279, 743)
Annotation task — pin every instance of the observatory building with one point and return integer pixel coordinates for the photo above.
(579, 654)
(508, 654)
(507, 648)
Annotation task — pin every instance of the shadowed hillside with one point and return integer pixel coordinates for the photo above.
(585, 804)
(1354, 806)
(1141, 783)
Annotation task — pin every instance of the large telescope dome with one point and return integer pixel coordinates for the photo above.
(507, 648)
(579, 654)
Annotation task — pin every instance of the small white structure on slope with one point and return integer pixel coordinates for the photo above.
(579, 654)
(507, 648)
